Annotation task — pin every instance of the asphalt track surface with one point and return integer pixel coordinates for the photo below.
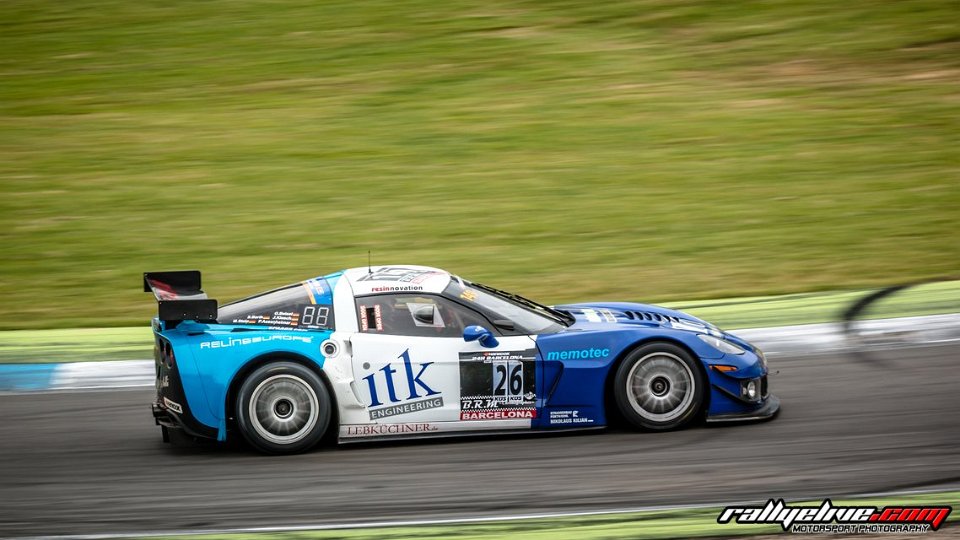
(93, 462)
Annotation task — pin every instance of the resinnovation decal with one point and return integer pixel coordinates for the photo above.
(498, 385)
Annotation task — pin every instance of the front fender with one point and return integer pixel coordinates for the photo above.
(577, 366)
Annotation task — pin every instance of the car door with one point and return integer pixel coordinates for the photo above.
(412, 365)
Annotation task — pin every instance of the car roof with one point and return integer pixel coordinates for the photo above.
(397, 278)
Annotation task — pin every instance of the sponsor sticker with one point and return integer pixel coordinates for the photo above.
(173, 405)
(831, 519)
(401, 389)
(371, 430)
(397, 288)
(570, 417)
(579, 354)
(318, 290)
(235, 342)
(501, 383)
(498, 414)
(591, 315)
(370, 314)
(599, 315)
(405, 408)
(403, 275)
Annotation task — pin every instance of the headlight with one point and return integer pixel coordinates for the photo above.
(750, 390)
(720, 345)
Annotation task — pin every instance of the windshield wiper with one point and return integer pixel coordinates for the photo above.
(555, 314)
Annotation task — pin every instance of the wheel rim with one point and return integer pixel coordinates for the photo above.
(660, 387)
(283, 409)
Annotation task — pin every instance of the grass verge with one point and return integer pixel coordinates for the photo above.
(656, 524)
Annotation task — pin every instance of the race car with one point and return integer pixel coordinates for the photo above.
(401, 351)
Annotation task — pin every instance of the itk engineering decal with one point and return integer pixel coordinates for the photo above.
(405, 394)
(830, 519)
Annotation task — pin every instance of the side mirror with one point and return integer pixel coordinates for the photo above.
(481, 334)
(424, 314)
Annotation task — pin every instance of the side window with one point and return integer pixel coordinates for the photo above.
(415, 315)
(288, 308)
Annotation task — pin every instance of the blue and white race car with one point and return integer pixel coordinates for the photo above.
(411, 351)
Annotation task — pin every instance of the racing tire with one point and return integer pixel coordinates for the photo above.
(659, 386)
(283, 408)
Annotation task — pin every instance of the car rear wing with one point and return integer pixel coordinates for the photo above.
(179, 296)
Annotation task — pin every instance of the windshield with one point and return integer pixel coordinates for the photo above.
(527, 316)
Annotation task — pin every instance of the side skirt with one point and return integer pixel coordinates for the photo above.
(457, 433)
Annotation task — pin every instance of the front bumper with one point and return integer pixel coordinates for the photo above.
(767, 410)
(729, 399)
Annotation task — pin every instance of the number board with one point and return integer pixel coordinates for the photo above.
(498, 384)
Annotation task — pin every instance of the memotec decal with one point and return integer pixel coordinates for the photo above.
(578, 354)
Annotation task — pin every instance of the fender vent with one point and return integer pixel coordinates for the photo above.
(651, 316)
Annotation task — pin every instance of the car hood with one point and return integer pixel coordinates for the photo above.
(630, 314)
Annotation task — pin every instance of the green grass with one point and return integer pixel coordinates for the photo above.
(569, 150)
(95, 344)
(807, 308)
(76, 345)
(657, 524)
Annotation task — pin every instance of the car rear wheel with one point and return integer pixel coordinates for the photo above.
(283, 408)
(659, 386)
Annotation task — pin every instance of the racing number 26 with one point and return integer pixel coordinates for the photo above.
(507, 379)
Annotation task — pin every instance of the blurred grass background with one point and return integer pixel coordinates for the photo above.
(568, 150)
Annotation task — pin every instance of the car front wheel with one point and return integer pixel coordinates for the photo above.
(659, 386)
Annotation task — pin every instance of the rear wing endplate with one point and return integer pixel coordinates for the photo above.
(179, 296)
